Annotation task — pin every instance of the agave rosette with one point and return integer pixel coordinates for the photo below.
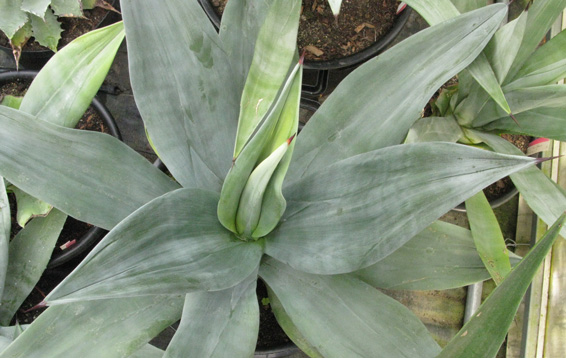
(315, 216)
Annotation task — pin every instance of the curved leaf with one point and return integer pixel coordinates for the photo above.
(340, 316)
(66, 85)
(30, 252)
(273, 55)
(522, 100)
(382, 199)
(107, 328)
(483, 335)
(28, 207)
(488, 238)
(182, 82)
(504, 45)
(81, 173)
(218, 324)
(546, 66)
(241, 21)
(543, 122)
(183, 249)
(542, 15)
(434, 11)
(440, 257)
(375, 105)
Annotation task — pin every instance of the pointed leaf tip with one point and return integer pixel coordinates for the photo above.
(514, 119)
(291, 139)
(541, 160)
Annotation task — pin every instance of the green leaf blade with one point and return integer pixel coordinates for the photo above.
(273, 55)
(46, 29)
(396, 192)
(12, 17)
(103, 328)
(190, 79)
(80, 185)
(29, 254)
(488, 237)
(363, 320)
(218, 324)
(441, 257)
(147, 255)
(73, 77)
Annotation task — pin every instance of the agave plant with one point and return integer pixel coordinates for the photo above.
(516, 92)
(315, 215)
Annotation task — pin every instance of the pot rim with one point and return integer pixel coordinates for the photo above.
(343, 62)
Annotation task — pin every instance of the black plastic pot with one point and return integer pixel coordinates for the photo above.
(95, 233)
(345, 62)
(35, 60)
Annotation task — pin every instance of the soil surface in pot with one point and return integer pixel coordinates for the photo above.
(323, 37)
(73, 27)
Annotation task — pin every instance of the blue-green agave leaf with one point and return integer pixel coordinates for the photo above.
(83, 185)
(29, 254)
(107, 328)
(183, 249)
(440, 257)
(488, 238)
(382, 199)
(218, 324)
(542, 122)
(65, 87)
(5, 229)
(183, 85)
(547, 65)
(341, 316)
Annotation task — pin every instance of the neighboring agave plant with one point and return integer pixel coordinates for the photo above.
(355, 206)
(516, 92)
(22, 19)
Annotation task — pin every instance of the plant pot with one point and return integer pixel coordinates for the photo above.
(35, 59)
(94, 234)
(357, 58)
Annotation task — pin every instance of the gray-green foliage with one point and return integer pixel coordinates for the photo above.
(60, 94)
(527, 72)
(353, 197)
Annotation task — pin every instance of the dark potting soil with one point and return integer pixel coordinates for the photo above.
(323, 37)
(270, 335)
(73, 27)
